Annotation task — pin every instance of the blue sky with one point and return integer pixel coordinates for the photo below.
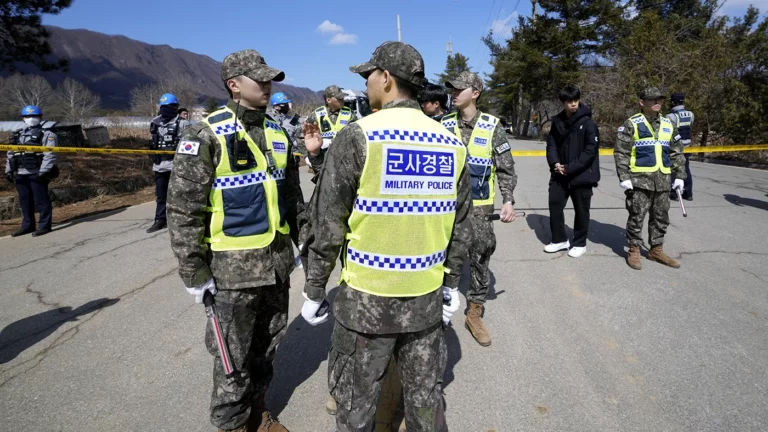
(313, 42)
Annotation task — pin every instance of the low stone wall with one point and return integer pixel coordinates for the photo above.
(9, 206)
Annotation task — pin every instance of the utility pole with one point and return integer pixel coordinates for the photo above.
(399, 36)
(533, 14)
(449, 47)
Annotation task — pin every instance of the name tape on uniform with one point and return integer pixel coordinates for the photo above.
(418, 171)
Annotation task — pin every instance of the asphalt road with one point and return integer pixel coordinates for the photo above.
(98, 333)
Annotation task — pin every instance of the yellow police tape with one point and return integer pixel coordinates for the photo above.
(523, 153)
(38, 149)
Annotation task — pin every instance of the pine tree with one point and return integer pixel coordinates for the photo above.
(211, 105)
(454, 65)
(22, 35)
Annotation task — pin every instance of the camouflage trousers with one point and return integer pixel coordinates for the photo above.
(253, 322)
(641, 202)
(357, 365)
(483, 246)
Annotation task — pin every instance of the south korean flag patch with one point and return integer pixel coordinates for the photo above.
(191, 148)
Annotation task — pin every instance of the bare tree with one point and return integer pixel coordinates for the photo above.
(74, 102)
(183, 88)
(24, 90)
(6, 111)
(144, 98)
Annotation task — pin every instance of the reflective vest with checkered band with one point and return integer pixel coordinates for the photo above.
(684, 121)
(247, 205)
(650, 153)
(403, 216)
(482, 171)
(328, 129)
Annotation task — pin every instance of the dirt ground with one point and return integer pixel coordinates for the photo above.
(89, 207)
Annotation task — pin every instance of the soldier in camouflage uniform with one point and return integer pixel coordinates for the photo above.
(253, 278)
(489, 163)
(371, 327)
(648, 149)
(333, 116)
(290, 122)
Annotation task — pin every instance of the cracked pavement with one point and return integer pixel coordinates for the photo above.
(97, 332)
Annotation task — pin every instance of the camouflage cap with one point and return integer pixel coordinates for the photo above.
(334, 91)
(466, 80)
(251, 64)
(651, 93)
(397, 58)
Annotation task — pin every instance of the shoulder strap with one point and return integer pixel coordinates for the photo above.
(219, 116)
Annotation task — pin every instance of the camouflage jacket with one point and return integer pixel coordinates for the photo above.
(655, 181)
(294, 132)
(332, 205)
(504, 162)
(188, 193)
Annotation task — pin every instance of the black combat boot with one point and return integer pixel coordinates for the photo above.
(41, 232)
(23, 231)
(157, 226)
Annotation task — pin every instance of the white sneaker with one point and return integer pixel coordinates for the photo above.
(576, 252)
(556, 247)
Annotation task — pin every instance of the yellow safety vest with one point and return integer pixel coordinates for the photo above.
(246, 203)
(328, 130)
(403, 216)
(649, 152)
(482, 171)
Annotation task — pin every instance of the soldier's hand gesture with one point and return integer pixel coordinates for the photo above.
(313, 141)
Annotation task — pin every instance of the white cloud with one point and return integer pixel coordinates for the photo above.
(327, 27)
(502, 28)
(344, 39)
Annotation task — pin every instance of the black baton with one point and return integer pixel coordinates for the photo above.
(495, 217)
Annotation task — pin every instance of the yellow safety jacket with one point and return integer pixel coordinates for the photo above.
(246, 201)
(403, 216)
(649, 152)
(482, 171)
(328, 130)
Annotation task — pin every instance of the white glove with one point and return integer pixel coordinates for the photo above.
(200, 291)
(626, 184)
(326, 143)
(452, 306)
(309, 312)
(678, 184)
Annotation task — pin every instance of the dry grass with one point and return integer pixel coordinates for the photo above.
(123, 132)
(95, 169)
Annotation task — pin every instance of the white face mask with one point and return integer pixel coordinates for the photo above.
(32, 121)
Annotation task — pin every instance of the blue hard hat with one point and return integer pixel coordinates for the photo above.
(279, 98)
(168, 99)
(31, 110)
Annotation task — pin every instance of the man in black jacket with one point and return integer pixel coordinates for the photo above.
(572, 154)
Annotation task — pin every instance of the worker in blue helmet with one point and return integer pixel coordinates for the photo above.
(32, 171)
(281, 106)
(166, 130)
